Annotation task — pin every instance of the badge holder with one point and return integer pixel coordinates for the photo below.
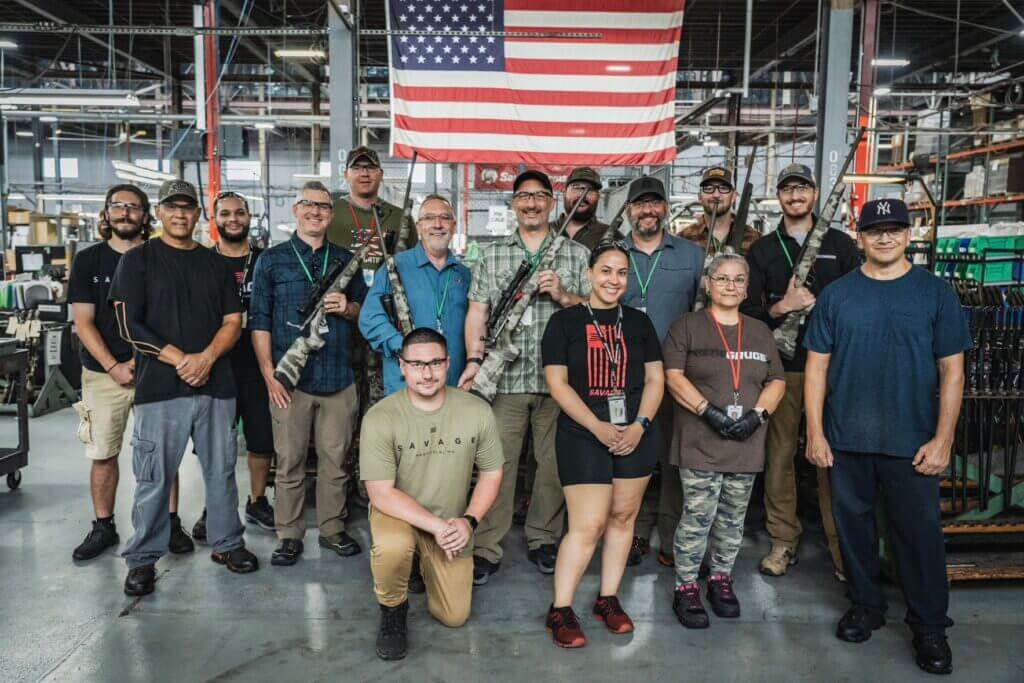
(734, 411)
(617, 409)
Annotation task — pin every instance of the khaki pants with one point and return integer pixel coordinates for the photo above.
(663, 507)
(332, 419)
(780, 474)
(103, 414)
(449, 582)
(515, 413)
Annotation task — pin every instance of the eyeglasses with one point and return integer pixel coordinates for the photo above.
(582, 188)
(178, 206)
(715, 189)
(725, 281)
(796, 187)
(435, 365)
(432, 217)
(310, 204)
(525, 197)
(363, 168)
(877, 234)
(647, 203)
(127, 207)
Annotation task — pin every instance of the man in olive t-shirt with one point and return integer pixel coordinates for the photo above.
(417, 451)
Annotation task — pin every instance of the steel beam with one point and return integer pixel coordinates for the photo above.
(834, 86)
(254, 49)
(342, 93)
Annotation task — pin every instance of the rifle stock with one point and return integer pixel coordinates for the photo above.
(739, 220)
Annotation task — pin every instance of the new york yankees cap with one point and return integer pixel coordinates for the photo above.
(879, 212)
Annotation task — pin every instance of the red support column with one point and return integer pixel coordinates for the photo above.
(212, 113)
(865, 101)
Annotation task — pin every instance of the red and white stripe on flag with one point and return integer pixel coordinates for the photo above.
(599, 101)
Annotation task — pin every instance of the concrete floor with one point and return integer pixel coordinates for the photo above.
(317, 620)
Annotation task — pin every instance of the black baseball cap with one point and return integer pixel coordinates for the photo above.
(718, 173)
(584, 174)
(879, 212)
(646, 185)
(177, 188)
(798, 171)
(362, 152)
(541, 178)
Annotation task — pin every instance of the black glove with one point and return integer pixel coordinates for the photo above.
(718, 421)
(743, 428)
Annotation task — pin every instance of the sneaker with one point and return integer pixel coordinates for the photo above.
(688, 607)
(239, 560)
(565, 627)
(640, 547)
(199, 528)
(416, 585)
(102, 536)
(544, 557)
(608, 610)
(778, 560)
(180, 542)
(932, 653)
(482, 570)
(287, 553)
(858, 623)
(341, 543)
(392, 641)
(721, 596)
(260, 513)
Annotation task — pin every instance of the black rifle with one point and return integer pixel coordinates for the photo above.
(308, 307)
(739, 220)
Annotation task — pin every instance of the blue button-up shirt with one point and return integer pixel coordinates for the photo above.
(280, 286)
(424, 286)
(673, 283)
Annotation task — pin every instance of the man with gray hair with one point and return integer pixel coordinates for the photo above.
(324, 399)
(437, 286)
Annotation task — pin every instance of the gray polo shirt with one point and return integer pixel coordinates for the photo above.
(678, 265)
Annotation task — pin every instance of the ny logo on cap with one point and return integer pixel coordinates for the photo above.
(884, 208)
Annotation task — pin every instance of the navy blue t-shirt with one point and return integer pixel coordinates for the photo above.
(884, 337)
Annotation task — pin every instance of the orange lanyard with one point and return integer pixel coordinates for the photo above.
(734, 366)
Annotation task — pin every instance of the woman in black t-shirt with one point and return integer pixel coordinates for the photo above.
(603, 366)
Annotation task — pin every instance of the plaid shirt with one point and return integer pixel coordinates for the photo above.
(493, 271)
(280, 286)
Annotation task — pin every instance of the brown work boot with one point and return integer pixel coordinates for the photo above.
(778, 560)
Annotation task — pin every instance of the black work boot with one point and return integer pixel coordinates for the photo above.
(392, 642)
(416, 585)
(688, 607)
(102, 536)
(180, 542)
(932, 653)
(199, 528)
(722, 597)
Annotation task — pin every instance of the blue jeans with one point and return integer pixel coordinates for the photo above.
(161, 433)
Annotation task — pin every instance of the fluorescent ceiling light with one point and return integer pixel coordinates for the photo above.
(71, 97)
(71, 197)
(135, 169)
(131, 177)
(712, 143)
(311, 176)
(264, 125)
(8, 44)
(300, 53)
(23, 133)
(876, 178)
(882, 90)
(48, 119)
(890, 61)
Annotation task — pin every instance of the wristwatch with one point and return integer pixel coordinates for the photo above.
(644, 422)
(478, 361)
(763, 414)
(473, 521)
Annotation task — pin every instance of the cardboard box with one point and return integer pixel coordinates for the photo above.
(16, 216)
(43, 230)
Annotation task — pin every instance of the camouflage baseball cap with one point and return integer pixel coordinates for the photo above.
(177, 188)
(362, 152)
(584, 174)
(798, 171)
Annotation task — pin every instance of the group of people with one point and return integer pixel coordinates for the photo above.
(636, 354)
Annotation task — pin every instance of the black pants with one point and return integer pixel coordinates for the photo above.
(912, 508)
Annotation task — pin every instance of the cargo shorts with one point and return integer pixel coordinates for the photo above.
(103, 414)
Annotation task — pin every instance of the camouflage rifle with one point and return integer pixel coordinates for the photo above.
(786, 333)
(612, 233)
(396, 303)
(501, 351)
(293, 362)
(734, 240)
(700, 297)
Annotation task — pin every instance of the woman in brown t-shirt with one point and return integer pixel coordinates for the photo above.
(725, 374)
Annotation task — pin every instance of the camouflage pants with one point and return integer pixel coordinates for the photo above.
(714, 503)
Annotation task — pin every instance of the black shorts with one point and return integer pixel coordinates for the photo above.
(252, 407)
(582, 459)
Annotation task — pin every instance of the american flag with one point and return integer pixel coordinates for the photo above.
(471, 97)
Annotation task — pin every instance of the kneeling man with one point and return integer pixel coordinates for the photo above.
(417, 452)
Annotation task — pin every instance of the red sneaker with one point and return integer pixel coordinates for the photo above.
(608, 610)
(565, 627)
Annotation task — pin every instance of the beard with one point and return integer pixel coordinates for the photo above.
(649, 230)
(583, 214)
(126, 231)
(234, 238)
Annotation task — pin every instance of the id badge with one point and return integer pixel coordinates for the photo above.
(734, 411)
(527, 318)
(245, 319)
(323, 328)
(368, 274)
(617, 409)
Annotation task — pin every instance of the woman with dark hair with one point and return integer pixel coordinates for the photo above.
(602, 361)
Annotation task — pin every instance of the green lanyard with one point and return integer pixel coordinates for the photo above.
(534, 259)
(439, 305)
(646, 282)
(323, 271)
(784, 250)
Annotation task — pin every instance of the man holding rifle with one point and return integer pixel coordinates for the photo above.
(522, 399)
(437, 286)
(717, 195)
(324, 398)
(771, 295)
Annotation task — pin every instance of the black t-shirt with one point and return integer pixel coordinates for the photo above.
(243, 357)
(571, 339)
(91, 273)
(181, 296)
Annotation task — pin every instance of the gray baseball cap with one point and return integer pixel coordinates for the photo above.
(177, 188)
